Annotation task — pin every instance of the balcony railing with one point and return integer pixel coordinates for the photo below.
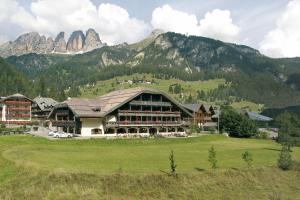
(150, 103)
(18, 102)
(146, 123)
(148, 113)
(63, 123)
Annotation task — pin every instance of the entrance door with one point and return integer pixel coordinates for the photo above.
(153, 131)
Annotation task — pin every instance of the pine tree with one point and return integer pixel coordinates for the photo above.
(212, 157)
(247, 157)
(173, 166)
(284, 161)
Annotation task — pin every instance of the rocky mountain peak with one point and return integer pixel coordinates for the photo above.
(60, 45)
(76, 42)
(92, 40)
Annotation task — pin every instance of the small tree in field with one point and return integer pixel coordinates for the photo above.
(212, 157)
(284, 161)
(173, 166)
(247, 157)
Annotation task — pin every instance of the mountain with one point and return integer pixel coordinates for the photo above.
(250, 75)
(13, 81)
(35, 43)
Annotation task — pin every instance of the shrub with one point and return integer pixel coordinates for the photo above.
(247, 157)
(212, 157)
(284, 161)
(173, 166)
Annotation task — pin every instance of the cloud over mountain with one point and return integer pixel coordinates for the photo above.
(284, 40)
(215, 24)
(48, 17)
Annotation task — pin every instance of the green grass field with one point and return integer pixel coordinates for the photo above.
(189, 87)
(36, 168)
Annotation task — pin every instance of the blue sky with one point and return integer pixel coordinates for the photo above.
(263, 24)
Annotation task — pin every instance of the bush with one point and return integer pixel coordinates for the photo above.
(284, 161)
(263, 135)
(212, 157)
(247, 157)
(173, 166)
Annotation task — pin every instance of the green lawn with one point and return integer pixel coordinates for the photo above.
(125, 169)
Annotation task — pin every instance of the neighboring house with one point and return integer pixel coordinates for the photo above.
(15, 109)
(204, 115)
(42, 107)
(129, 111)
(262, 121)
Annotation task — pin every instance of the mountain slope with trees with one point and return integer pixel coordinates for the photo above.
(253, 76)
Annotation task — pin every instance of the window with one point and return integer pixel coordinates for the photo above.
(96, 131)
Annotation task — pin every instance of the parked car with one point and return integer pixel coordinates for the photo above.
(62, 135)
(51, 133)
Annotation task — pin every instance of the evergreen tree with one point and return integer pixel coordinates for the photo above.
(212, 157)
(247, 157)
(284, 161)
(173, 166)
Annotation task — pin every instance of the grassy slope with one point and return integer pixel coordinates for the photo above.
(190, 87)
(35, 168)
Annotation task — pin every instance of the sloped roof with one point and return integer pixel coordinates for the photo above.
(109, 102)
(17, 95)
(195, 107)
(258, 117)
(45, 103)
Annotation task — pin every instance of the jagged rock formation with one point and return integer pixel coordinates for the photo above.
(76, 42)
(35, 43)
(27, 43)
(92, 40)
(60, 45)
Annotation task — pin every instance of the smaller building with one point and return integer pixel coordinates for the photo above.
(261, 120)
(41, 107)
(15, 109)
(204, 115)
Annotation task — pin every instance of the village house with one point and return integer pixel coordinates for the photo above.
(204, 116)
(42, 107)
(135, 111)
(15, 110)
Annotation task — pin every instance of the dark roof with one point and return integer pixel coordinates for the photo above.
(45, 103)
(196, 106)
(109, 102)
(255, 116)
(258, 117)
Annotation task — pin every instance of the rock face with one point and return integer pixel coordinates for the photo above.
(60, 45)
(92, 40)
(35, 43)
(27, 43)
(76, 42)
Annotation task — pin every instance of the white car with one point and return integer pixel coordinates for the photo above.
(51, 133)
(62, 135)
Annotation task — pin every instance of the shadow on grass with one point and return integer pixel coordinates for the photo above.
(272, 149)
(199, 169)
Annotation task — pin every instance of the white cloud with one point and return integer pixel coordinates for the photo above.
(49, 17)
(284, 40)
(216, 24)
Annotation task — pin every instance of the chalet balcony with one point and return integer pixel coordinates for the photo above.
(17, 115)
(146, 123)
(19, 108)
(17, 102)
(148, 113)
(63, 123)
(150, 103)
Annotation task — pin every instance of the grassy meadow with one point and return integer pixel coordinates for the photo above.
(37, 168)
(189, 88)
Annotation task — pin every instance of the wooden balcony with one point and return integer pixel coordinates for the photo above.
(150, 103)
(146, 123)
(148, 113)
(17, 102)
(63, 123)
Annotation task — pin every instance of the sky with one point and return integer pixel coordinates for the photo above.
(271, 26)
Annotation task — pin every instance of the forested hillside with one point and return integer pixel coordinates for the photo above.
(253, 76)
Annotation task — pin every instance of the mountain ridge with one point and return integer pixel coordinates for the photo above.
(33, 42)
